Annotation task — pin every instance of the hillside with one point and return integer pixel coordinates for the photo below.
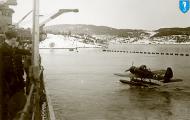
(100, 34)
(172, 31)
(92, 30)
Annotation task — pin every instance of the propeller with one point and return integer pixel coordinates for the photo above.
(130, 67)
(132, 63)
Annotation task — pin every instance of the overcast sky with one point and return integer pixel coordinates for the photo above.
(138, 14)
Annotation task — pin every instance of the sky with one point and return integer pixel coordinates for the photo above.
(128, 14)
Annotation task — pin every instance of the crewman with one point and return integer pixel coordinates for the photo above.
(13, 82)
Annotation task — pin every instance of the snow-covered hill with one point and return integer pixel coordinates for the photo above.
(62, 42)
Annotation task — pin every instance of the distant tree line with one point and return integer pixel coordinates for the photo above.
(172, 31)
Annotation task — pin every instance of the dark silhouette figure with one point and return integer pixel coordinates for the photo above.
(12, 76)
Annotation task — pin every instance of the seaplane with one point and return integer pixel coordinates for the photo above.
(144, 77)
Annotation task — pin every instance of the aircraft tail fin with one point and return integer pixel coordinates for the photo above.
(169, 74)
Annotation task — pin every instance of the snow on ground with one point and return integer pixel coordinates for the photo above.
(152, 33)
(147, 41)
(62, 42)
(144, 41)
(185, 43)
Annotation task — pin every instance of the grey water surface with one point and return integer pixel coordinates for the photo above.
(82, 86)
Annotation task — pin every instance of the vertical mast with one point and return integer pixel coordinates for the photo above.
(35, 54)
(35, 38)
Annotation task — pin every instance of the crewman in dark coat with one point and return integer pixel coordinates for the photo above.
(12, 75)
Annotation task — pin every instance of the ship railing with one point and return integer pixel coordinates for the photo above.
(38, 105)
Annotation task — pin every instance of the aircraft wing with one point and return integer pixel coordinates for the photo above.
(124, 75)
(160, 72)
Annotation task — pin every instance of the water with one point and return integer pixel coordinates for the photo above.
(82, 86)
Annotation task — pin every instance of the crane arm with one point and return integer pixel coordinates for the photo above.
(61, 11)
(17, 24)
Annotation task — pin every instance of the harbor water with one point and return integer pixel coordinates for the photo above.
(82, 86)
